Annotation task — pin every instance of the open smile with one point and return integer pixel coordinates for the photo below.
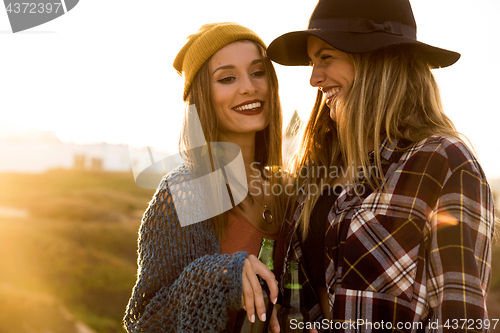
(249, 107)
(331, 95)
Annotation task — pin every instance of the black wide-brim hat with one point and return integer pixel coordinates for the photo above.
(357, 26)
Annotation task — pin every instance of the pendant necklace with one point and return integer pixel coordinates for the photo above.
(266, 213)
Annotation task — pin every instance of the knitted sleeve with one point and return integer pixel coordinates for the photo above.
(183, 282)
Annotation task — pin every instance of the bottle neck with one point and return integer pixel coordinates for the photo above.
(292, 289)
(266, 253)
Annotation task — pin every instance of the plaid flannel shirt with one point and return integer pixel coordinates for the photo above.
(414, 257)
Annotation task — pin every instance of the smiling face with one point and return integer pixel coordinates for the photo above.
(239, 89)
(333, 71)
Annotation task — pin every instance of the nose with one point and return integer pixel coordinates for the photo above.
(317, 77)
(247, 85)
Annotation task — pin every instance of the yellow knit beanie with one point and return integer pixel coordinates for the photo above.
(205, 43)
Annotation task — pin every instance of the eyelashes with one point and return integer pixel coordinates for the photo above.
(323, 57)
(260, 73)
(230, 79)
(226, 80)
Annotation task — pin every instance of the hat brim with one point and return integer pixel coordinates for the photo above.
(290, 49)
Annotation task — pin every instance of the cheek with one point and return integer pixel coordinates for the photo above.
(219, 97)
(263, 86)
(350, 74)
(266, 87)
(217, 105)
(214, 95)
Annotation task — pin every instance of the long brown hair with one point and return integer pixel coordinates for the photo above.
(394, 94)
(267, 142)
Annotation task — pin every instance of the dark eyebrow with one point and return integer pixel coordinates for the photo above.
(256, 61)
(223, 67)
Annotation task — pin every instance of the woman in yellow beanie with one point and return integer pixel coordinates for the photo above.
(194, 273)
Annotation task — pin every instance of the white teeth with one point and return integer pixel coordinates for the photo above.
(248, 106)
(331, 92)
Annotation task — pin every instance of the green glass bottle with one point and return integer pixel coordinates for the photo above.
(292, 313)
(243, 325)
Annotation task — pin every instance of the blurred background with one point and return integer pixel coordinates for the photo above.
(86, 98)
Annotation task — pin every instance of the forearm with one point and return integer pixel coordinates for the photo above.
(199, 300)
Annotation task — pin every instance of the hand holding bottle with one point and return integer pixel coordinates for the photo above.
(252, 297)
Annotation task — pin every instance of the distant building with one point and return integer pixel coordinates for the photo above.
(96, 164)
(38, 151)
(30, 136)
(79, 162)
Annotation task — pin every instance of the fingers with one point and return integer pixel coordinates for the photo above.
(268, 276)
(252, 290)
(257, 300)
(273, 323)
(247, 293)
(272, 285)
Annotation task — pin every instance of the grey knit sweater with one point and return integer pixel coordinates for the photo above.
(184, 283)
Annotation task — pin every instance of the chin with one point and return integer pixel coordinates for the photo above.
(259, 125)
(258, 129)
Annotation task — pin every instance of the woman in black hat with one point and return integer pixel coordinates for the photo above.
(398, 238)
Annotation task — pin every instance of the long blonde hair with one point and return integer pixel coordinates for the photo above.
(267, 141)
(394, 94)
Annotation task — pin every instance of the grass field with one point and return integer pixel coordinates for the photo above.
(73, 259)
(70, 264)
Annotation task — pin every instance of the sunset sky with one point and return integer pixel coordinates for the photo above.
(103, 72)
